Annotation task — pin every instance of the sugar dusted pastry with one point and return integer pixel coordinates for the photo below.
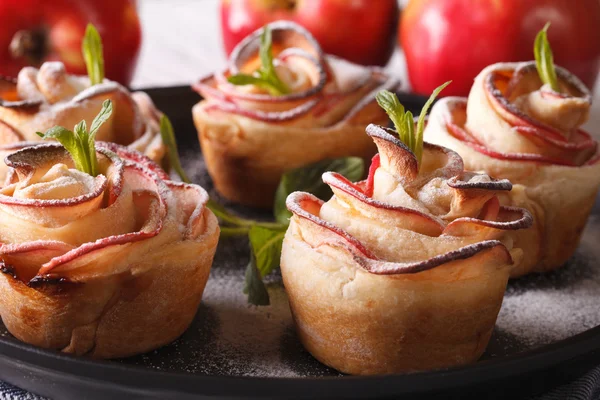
(281, 107)
(42, 98)
(39, 99)
(404, 271)
(516, 126)
(109, 265)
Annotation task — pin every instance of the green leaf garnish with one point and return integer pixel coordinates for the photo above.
(254, 287)
(265, 253)
(395, 110)
(404, 121)
(266, 244)
(266, 238)
(308, 179)
(168, 137)
(265, 77)
(80, 143)
(544, 61)
(245, 79)
(101, 118)
(91, 48)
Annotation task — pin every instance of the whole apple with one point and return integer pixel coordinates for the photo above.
(455, 39)
(361, 31)
(34, 31)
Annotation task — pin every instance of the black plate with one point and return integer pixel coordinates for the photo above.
(234, 351)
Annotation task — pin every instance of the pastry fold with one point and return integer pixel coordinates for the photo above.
(404, 271)
(249, 137)
(40, 99)
(106, 266)
(513, 126)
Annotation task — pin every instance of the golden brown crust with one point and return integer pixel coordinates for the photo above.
(405, 271)
(123, 276)
(249, 138)
(376, 324)
(555, 172)
(246, 164)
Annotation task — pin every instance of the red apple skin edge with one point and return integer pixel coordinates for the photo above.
(59, 26)
(361, 31)
(455, 39)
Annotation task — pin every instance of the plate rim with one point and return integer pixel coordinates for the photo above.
(135, 378)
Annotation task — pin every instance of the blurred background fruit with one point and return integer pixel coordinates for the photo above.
(455, 39)
(34, 31)
(362, 31)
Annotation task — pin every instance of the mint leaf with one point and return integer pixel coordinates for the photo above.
(102, 117)
(82, 139)
(544, 60)
(409, 131)
(404, 121)
(265, 50)
(263, 83)
(266, 246)
(265, 253)
(168, 138)
(91, 48)
(80, 143)
(421, 123)
(265, 238)
(245, 79)
(254, 287)
(266, 241)
(266, 76)
(308, 179)
(68, 139)
(394, 109)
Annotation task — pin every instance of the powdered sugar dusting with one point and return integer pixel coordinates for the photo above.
(542, 309)
(229, 337)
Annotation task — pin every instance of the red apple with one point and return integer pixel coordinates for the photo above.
(361, 31)
(34, 31)
(455, 39)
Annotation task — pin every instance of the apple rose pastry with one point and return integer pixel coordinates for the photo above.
(108, 261)
(283, 104)
(520, 125)
(404, 271)
(42, 98)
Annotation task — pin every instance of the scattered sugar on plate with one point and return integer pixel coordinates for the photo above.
(230, 337)
(542, 309)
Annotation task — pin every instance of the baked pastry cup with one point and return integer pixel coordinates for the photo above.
(42, 98)
(106, 266)
(513, 126)
(249, 138)
(402, 272)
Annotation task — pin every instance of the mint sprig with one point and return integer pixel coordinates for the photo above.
(168, 137)
(266, 242)
(265, 255)
(266, 238)
(544, 60)
(308, 179)
(404, 121)
(81, 143)
(265, 77)
(91, 48)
